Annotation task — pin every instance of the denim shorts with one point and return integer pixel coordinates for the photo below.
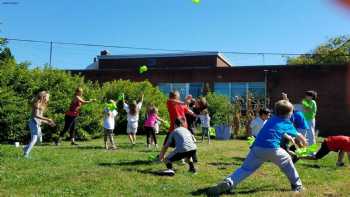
(34, 127)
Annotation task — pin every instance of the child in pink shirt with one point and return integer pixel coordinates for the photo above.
(149, 125)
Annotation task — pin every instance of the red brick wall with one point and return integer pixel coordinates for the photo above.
(331, 82)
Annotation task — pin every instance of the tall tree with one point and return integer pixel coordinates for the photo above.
(5, 52)
(335, 51)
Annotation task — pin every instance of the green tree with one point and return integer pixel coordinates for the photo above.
(335, 51)
(5, 52)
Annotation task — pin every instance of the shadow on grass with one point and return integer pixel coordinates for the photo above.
(81, 147)
(317, 166)
(239, 158)
(127, 163)
(224, 165)
(149, 151)
(148, 171)
(204, 191)
(90, 147)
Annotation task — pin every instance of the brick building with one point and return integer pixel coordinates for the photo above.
(190, 73)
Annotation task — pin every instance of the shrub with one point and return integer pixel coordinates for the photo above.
(220, 109)
(19, 85)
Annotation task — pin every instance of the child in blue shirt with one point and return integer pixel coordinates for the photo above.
(267, 147)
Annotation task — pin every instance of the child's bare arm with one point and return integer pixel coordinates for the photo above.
(85, 101)
(289, 138)
(142, 97)
(162, 152)
(45, 120)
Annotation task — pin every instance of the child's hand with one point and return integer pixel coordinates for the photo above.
(51, 123)
(289, 138)
(301, 141)
(284, 96)
(161, 157)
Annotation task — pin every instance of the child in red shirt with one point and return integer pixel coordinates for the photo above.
(176, 109)
(338, 143)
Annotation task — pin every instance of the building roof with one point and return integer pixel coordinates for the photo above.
(94, 65)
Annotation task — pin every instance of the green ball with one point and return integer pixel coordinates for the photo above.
(143, 69)
(196, 1)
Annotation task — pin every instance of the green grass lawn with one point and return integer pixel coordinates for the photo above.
(89, 170)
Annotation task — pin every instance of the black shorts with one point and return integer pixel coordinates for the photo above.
(179, 156)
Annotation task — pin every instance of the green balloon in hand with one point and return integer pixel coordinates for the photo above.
(303, 152)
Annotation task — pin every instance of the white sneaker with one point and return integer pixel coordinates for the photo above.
(298, 189)
(169, 172)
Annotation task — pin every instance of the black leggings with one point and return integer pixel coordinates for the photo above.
(324, 150)
(69, 123)
(151, 133)
(178, 156)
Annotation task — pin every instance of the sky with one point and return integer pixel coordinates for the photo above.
(296, 26)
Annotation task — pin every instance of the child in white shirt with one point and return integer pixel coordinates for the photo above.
(133, 110)
(257, 124)
(109, 124)
(205, 123)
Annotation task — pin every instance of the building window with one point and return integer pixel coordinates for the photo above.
(195, 89)
(223, 89)
(165, 88)
(242, 91)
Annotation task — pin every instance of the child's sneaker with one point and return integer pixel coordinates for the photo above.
(26, 156)
(113, 148)
(220, 188)
(340, 164)
(193, 170)
(169, 172)
(297, 189)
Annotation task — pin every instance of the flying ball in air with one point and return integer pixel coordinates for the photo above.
(143, 69)
(196, 1)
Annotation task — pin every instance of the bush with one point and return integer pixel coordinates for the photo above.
(19, 85)
(220, 109)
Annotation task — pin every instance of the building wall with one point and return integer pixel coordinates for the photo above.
(331, 82)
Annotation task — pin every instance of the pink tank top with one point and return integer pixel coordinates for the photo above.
(151, 120)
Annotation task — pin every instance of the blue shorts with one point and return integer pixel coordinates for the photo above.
(34, 127)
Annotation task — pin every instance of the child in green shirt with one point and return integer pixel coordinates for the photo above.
(310, 110)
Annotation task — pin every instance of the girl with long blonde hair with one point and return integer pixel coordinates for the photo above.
(38, 108)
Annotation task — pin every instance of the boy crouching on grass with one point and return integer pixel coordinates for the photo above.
(338, 143)
(185, 147)
(267, 147)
